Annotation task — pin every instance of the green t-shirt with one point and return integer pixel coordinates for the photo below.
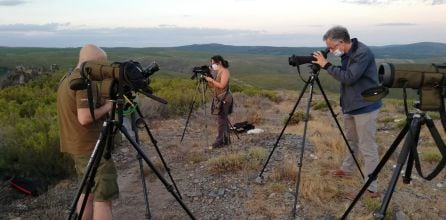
(75, 138)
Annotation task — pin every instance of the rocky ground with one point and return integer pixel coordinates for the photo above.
(221, 183)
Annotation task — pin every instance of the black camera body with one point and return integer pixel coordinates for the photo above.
(294, 60)
(201, 71)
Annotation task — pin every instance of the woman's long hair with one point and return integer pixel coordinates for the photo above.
(219, 59)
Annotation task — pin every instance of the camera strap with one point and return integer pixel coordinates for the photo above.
(90, 99)
(441, 147)
(224, 97)
(122, 69)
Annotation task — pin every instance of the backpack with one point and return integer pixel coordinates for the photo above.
(242, 126)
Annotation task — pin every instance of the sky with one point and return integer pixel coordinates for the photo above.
(166, 23)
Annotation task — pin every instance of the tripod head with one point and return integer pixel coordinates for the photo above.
(199, 72)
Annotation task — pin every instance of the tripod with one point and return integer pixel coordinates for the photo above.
(314, 77)
(102, 145)
(137, 121)
(201, 88)
(408, 156)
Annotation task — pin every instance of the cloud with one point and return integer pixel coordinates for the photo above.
(32, 27)
(396, 24)
(381, 2)
(166, 35)
(11, 2)
(437, 2)
(64, 35)
(364, 2)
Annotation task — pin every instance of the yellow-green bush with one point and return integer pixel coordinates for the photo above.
(179, 93)
(252, 91)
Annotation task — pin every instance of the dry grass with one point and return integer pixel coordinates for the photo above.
(315, 189)
(261, 207)
(285, 172)
(226, 163)
(327, 141)
(373, 204)
(431, 155)
(386, 119)
(256, 156)
(322, 105)
(277, 187)
(297, 117)
(249, 160)
(254, 117)
(195, 156)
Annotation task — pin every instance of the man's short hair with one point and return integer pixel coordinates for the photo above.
(337, 33)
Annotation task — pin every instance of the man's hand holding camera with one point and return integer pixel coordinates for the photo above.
(320, 59)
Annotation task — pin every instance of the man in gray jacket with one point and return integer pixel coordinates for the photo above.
(356, 74)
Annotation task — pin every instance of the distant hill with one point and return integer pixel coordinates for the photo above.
(259, 50)
(409, 51)
(262, 66)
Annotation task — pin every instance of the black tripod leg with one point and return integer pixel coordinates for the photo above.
(339, 127)
(157, 173)
(146, 192)
(188, 116)
(155, 144)
(409, 144)
(90, 172)
(374, 174)
(302, 149)
(203, 102)
(141, 168)
(409, 166)
(232, 128)
(283, 129)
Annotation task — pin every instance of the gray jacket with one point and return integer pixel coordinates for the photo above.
(361, 74)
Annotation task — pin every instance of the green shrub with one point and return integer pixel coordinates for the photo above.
(252, 91)
(296, 118)
(322, 105)
(179, 93)
(30, 135)
(432, 156)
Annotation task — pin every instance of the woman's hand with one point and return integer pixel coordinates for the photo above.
(207, 78)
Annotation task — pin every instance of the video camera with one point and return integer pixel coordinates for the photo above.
(429, 79)
(299, 60)
(129, 73)
(117, 79)
(202, 71)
